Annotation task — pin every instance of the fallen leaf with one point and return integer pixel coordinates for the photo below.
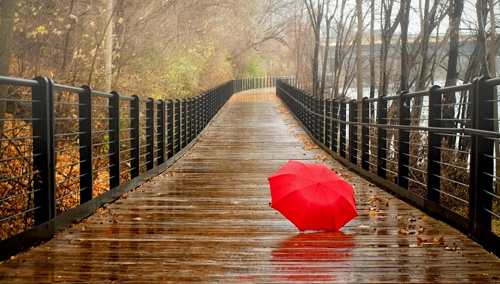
(373, 213)
(441, 240)
(421, 230)
(420, 241)
(402, 232)
(109, 232)
(406, 232)
(450, 248)
(387, 204)
(425, 218)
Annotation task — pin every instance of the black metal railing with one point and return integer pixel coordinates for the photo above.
(260, 82)
(433, 148)
(67, 151)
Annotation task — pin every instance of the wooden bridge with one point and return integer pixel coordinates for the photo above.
(207, 219)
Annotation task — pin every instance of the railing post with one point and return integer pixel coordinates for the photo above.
(161, 132)
(204, 109)
(150, 132)
(322, 121)
(434, 142)
(217, 93)
(86, 148)
(328, 124)
(199, 113)
(343, 128)
(44, 150)
(196, 115)
(381, 137)
(309, 115)
(212, 97)
(353, 132)
(317, 118)
(135, 144)
(114, 138)
(404, 140)
(295, 104)
(310, 106)
(208, 105)
(365, 133)
(213, 100)
(184, 124)
(177, 126)
(302, 110)
(482, 171)
(190, 120)
(335, 125)
(170, 129)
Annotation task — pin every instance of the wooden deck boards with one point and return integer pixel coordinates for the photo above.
(207, 220)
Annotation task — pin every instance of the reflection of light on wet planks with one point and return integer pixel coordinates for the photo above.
(258, 95)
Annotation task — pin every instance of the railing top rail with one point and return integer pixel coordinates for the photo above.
(68, 89)
(492, 81)
(451, 89)
(18, 81)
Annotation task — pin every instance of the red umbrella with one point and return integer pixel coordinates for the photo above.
(312, 196)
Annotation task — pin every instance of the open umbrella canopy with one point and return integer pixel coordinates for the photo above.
(312, 196)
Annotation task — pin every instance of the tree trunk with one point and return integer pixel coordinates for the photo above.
(493, 74)
(338, 49)
(317, 42)
(359, 51)
(325, 57)
(482, 12)
(66, 40)
(109, 45)
(428, 23)
(455, 17)
(372, 53)
(388, 30)
(7, 11)
(404, 46)
(477, 67)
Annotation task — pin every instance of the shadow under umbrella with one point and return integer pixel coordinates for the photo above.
(312, 257)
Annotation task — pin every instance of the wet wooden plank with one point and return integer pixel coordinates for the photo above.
(207, 220)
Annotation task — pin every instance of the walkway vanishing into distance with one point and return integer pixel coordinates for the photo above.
(208, 220)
